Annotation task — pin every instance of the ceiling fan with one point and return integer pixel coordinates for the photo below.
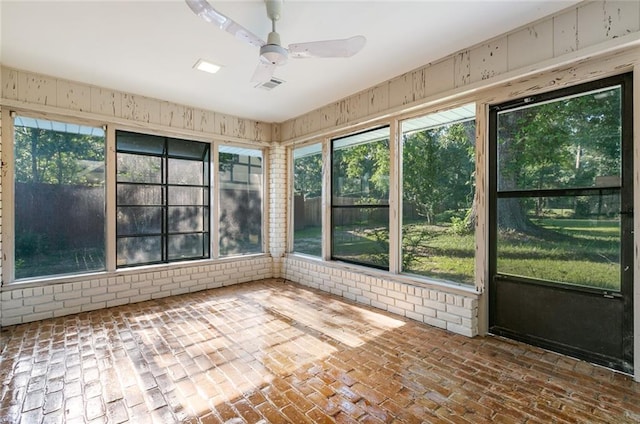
(272, 54)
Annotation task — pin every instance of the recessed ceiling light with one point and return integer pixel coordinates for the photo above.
(203, 65)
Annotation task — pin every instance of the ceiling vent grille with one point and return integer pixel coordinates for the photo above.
(271, 84)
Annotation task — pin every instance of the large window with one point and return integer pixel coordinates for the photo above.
(360, 198)
(438, 162)
(307, 200)
(162, 199)
(59, 198)
(241, 188)
(558, 186)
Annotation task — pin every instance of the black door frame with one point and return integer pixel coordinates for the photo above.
(546, 293)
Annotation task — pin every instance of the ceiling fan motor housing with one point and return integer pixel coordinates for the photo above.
(273, 52)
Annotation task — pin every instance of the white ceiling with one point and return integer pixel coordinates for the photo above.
(149, 47)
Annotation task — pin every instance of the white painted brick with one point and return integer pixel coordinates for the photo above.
(378, 305)
(12, 304)
(75, 302)
(16, 312)
(363, 299)
(67, 295)
(103, 298)
(459, 329)
(440, 306)
(93, 306)
(404, 305)
(349, 295)
(435, 322)
(94, 291)
(462, 312)
(140, 298)
(46, 307)
(38, 300)
(470, 303)
(6, 321)
(449, 317)
(429, 312)
(470, 323)
(396, 294)
(127, 293)
(379, 290)
(396, 310)
(38, 316)
(386, 299)
(66, 311)
(414, 316)
(416, 300)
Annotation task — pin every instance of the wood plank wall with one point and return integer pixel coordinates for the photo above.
(48, 94)
(575, 33)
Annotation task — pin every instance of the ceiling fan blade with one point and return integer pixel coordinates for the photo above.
(264, 72)
(328, 48)
(203, 9)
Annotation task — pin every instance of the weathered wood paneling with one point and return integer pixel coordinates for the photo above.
(378, 98)
(605, 20)
(585, 25)
(39, 89)
(439, 77)
(106, 102)
(9, 83)
(539, 41)
(565, 33)
(51, 95)
(488, 60)
(73, 96)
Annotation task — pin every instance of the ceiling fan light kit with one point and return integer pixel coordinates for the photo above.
(272, 54)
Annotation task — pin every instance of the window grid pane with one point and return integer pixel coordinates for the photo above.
(163, 200)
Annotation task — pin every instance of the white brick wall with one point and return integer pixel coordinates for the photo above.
(439, 307)
(20, 305)
(277, 205)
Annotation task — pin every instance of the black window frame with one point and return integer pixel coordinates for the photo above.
(165, 156)
(377, 206)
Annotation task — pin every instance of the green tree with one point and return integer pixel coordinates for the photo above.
(308, 176)
(438, 165)
(53, 157)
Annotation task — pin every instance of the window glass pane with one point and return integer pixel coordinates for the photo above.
(139, 220)
(188, 246)
(361, 169)
(438, 221)
(307, 211)
(139, 194)
(59, 198)
(139, 250)
(360, 198)
(188, 195)
(186, 219)
(188, 149)
(186, 172)
(139, 168)
(566, 143)
(140, 143)
(574, 240)
(361, 235)
(240, 201)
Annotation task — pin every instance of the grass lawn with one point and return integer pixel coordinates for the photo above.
(575, 251)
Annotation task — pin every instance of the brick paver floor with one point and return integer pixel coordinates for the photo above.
(276, 352)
